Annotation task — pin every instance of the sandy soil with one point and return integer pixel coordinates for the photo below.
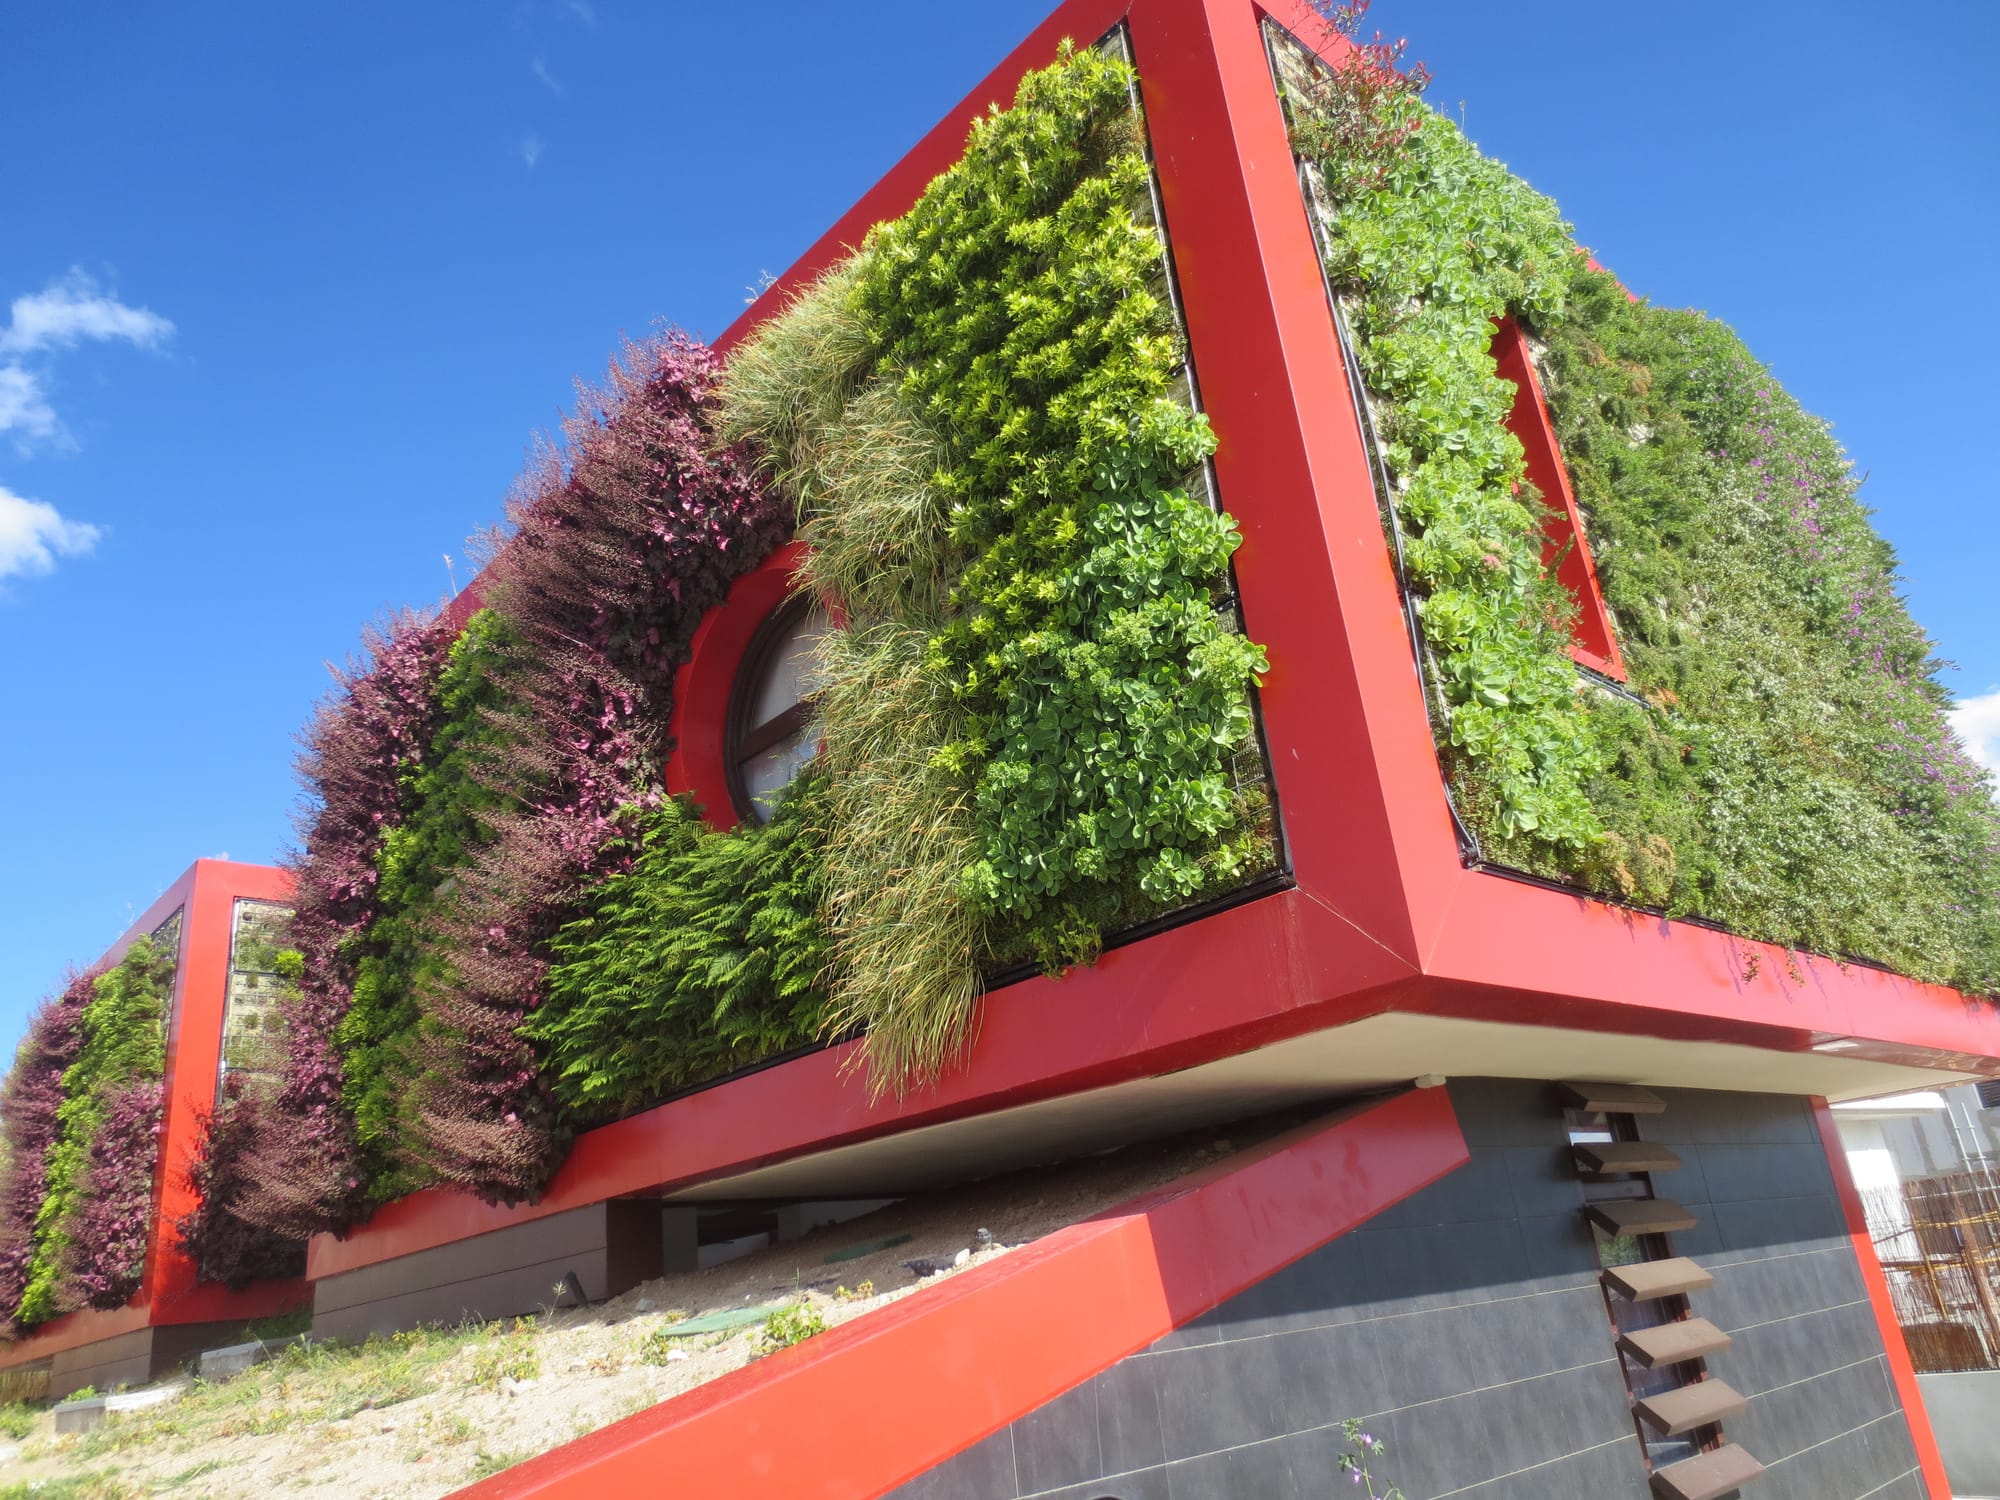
(422, 1414)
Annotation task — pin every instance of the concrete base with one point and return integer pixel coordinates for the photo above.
(1962, 1405)
(608, 1247)
(135, 1358)
(80, 1416)
(232, 1360)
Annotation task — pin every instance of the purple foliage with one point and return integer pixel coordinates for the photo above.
(303, 1174)
(28, 1105)
(107, 1249)
(222, 1245)
(621, 543)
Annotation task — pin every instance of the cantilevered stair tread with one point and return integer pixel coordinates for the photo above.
(1624, 1156)
(1647, 1279)
(1687, 1407)
(1674, 1343)
(1612, 1098)
(1617, 1216)
(1707, 1475)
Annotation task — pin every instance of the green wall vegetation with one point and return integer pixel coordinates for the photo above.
(124, 1047)
(1038, 726)
(383, 1040)
(1789, 773)
(1037, 720)
(704, 956)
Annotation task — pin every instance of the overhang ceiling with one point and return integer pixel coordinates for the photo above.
(1383, 1051)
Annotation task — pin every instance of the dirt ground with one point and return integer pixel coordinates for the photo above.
(420, 1414)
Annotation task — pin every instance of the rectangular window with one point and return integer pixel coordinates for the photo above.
(1565, 549)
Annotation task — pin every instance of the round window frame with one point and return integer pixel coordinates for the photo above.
(756, 663)
(702, 688)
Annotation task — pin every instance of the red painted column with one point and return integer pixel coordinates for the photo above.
(1901, 1371)
(194, 1048)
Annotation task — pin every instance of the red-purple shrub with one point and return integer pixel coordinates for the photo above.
(107, 1249)
(28, 1105)
(222, 1244)
(301, 1172)
(622, 541)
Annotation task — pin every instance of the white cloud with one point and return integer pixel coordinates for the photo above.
(1977, 721)
(73, 309)
(23, 407)
(541, 71)
(531, 150)
(33, 534)
(583, 11)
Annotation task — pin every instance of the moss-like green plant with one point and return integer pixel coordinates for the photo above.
(124, 1044)
(1789, 773)
(704, 956)
(403, 949)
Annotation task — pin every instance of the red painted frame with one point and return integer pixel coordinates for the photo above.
(811, 1421)
(171, 1293)
(702, 688)
(1902, 1373)
(1385, 916)
(1596, 644)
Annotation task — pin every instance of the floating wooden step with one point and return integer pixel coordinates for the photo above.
(1706, 1476)
(1647, 1279)
(1612, 1098)
(1640, 1216)
(1624, 1156)
(1687, 1407)
(1674, 1343)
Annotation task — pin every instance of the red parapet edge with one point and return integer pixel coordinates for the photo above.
(810, 1421)
(1904, 1374)
(1150, 1008)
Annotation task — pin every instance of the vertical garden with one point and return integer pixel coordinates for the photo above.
(1035, 723)
(1781, 764)
(80, 1112)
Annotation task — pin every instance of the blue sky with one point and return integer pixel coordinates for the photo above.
(293, 288)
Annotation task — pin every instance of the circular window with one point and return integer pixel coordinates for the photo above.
(771, 734)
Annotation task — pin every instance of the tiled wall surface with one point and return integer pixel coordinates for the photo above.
(1466, 1327)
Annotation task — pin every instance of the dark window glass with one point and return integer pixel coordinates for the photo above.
(771, 731)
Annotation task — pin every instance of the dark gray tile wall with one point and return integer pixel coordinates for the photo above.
(1466, 1327)
(1823, 1413)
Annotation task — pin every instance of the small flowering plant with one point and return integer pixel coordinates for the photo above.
(1363, 1449)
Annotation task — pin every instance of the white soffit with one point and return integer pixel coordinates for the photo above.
(1382, 1051)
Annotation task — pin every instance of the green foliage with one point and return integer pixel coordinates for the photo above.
(792, 1324)
(1037, 725)
(1105, 691)
(1789, 774)
(124, 1042)
(17, 1418)
(507, 1354)
(657, 1347)
(902, 835)
(1443, 242)
(1795, 775)
(403, 950)
(704, 956)
(1358, 1457)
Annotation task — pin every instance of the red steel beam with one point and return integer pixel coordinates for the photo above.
(810, 1421)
